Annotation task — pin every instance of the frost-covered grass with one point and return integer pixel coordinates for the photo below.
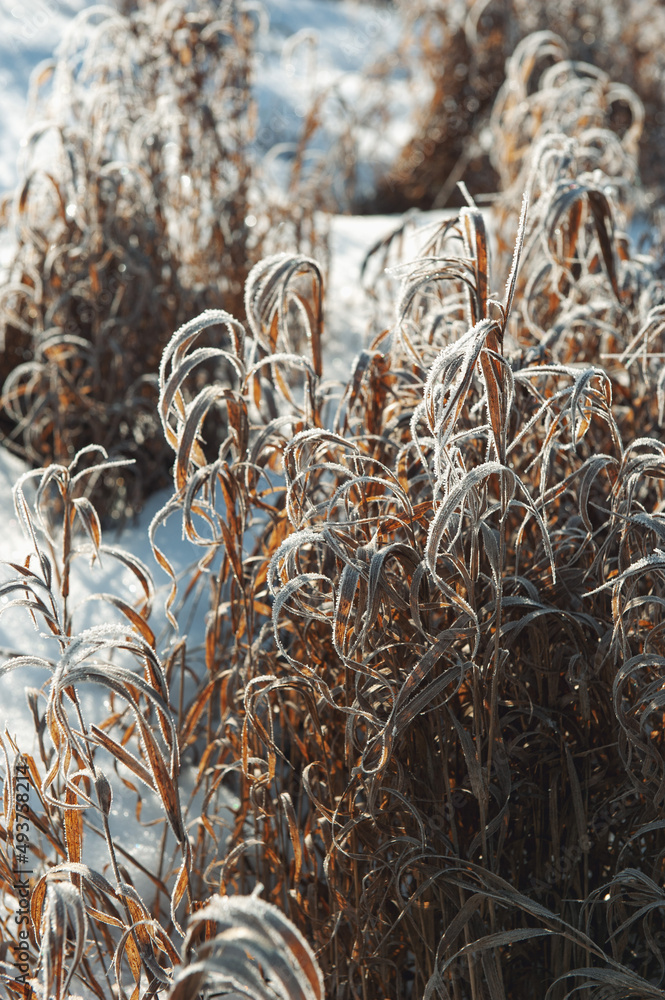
(369, 701)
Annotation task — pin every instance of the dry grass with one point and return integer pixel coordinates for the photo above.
(141, 203)
(434, 656)
(465, 46)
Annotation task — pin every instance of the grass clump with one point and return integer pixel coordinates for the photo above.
(141, 203)
(426, 722)
(465, 48)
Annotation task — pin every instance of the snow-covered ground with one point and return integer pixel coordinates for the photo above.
(28, 34)
(345, 52)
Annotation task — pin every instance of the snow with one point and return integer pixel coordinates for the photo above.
(28, 36)
(348, 317)
(344, 54)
